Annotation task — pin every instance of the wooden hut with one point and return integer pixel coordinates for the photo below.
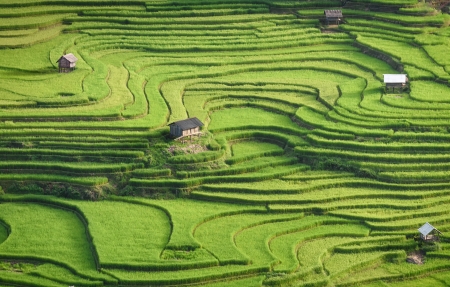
(429, 233)
(333, 16)
(67, 63)
(184, 128)
(395, 81)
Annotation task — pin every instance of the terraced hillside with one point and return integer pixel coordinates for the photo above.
(308, 172)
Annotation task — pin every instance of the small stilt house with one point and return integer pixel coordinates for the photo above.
(67, 63)
(333, 16)
(184, 128)
(395, 81)
(429, 233)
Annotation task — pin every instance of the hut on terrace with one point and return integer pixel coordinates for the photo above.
(185, 128)
(333, 16)
(429, 233)
(67, 63)
(395, 81)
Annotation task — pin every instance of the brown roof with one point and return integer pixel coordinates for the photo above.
(333, 13)
(188, 123)
(69, 57)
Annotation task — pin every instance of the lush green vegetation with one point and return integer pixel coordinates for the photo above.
(308, 171)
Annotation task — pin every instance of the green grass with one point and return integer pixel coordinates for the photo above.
(254, 241)
(250, 282)
(437, 52)
(389, 274)
(185, 215)
(33, 22)
(285, 247)
(221, 242)
(335, 198)
(3, 233)
(27, 40)
(414, 56)
(340, 263)
(425, 91)
(311, 253)
(380, 25)
(26, 280)
(37, 56)
(313, 174)
(65, 243)
(61, 275)
(240, 119)
(249, 149)
(83, 181)
(186, 277)
(126, 234)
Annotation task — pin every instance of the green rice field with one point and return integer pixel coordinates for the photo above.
(307, 171)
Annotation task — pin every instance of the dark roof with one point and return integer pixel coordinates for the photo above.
(69, 57)
(333, 13)
(188, 123)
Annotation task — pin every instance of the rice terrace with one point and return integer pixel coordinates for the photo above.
(225, 143)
